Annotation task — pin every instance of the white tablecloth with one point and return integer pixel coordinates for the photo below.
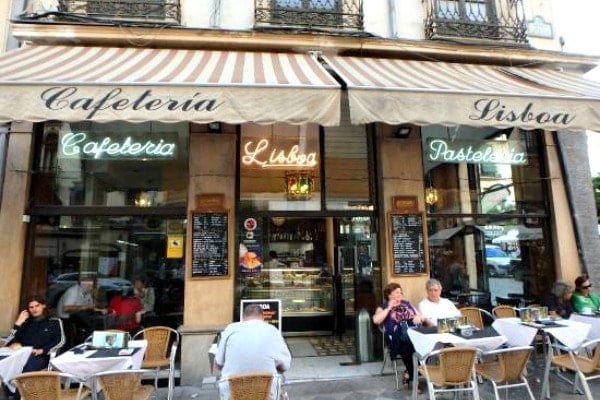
(427, 342)
(13, 364)
(572, 333)
(83, 367)
(593, 321)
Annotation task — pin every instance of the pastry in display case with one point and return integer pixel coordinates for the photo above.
(302, 291)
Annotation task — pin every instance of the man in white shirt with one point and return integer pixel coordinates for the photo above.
(434, 306)
(252, 345)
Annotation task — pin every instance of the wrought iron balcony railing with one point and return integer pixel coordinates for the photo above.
(328, 15)
(135, 11)
(502, 20)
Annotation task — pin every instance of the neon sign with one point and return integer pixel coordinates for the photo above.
(84, 145)
(476, 152)
(261, 155)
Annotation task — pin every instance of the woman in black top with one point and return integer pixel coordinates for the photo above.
(34, 328)
(559, 301)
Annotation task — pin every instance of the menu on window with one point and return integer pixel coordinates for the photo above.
(209, 244)
(408, 253)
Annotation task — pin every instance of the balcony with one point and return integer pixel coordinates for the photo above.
(344, 16)
(155, 12)
(495, 20)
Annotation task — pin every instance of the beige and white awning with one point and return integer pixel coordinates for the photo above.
(71, 83)
(421, 92)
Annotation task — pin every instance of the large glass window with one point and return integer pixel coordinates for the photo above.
(487, 216)
(109, 201)
(116, 164)
(282, 168)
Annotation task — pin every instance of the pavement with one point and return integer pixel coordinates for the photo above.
(339, 378)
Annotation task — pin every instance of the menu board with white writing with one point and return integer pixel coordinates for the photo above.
(209, 244)
(407, 244)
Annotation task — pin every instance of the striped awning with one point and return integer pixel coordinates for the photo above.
(72, 83)
(422, 92)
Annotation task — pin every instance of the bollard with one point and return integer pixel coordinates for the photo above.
(364, 337)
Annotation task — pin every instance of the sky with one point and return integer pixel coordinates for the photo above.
(581, 32)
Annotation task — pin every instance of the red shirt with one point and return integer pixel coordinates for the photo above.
(125, 308)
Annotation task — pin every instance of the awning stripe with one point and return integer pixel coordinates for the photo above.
(73, 83)
(426, 92)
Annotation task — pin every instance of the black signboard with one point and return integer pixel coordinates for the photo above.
(408, 254)
(271, 310)
(209, 244)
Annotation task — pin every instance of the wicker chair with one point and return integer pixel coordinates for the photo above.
(160, 353)
(455, 371)
(122, 385)
(508, 370)
(47, 385)
(475, 316)
(252, 386)
(585, 368)
(504, 311)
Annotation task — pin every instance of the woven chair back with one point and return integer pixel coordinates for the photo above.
(119, 386)
(158, 338)
(43, 385)
(473, 315)
(504, 311)
(513, 364)
(457, 364)
(256, 386)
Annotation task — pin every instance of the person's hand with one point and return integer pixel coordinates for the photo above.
(393, 303)
(418, 319)
(37, 352)
(23, 316)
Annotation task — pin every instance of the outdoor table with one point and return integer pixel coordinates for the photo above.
(426, 340)
(570, 333)
(12, 362)
(84, 363)
(593, 320)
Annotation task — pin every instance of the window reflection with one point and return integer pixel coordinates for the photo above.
(488, 228)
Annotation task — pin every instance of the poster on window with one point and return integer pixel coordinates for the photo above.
(250, 252)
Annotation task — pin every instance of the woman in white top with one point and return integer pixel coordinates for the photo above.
(434, 306)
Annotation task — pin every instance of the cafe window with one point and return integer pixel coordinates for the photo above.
(487, 215)
(109, 201)
(282, 168)
(113, 165)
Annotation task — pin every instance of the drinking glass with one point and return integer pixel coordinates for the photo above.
(462, 320)
(526, 315)
(543, 313)
(442, 324)
(452, 324)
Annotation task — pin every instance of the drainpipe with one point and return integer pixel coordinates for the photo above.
(215, 18)
(4, 132)
(393, 19)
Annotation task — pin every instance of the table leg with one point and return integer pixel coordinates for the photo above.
(415, 383)
(545, 393)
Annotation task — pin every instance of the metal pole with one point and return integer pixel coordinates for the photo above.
(4, 132)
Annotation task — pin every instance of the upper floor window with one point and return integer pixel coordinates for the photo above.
(343, 15)
(152, 11)
(484, 19)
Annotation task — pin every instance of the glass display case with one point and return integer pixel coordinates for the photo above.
(302, 291)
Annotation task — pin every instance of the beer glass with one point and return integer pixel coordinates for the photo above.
(462, 320)
(442, 324)
(526, 315)
(543, 313)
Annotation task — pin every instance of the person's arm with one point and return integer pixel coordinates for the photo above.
(596, 300)
(283, 357)
(13, 336)
(577, 302)
(418, 318)
(149, 300)
(381, 313)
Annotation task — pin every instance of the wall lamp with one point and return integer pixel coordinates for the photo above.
(214, 127)
(403, 131)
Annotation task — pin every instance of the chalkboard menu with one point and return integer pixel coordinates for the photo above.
(407, 244)
(209, 244)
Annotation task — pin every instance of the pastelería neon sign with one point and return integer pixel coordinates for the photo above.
(476, 152)
(87, 145)
(260, 154)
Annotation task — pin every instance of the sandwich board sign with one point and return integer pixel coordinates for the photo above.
(271, 310)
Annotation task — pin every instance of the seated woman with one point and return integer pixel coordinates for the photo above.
(397, 315)
(34, 328)
(559, 301)
(584, 301)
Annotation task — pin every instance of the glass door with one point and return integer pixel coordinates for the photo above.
(355, 262)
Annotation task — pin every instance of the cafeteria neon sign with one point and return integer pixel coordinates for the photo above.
(261, 155)
(90, 146)
(476, 152)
